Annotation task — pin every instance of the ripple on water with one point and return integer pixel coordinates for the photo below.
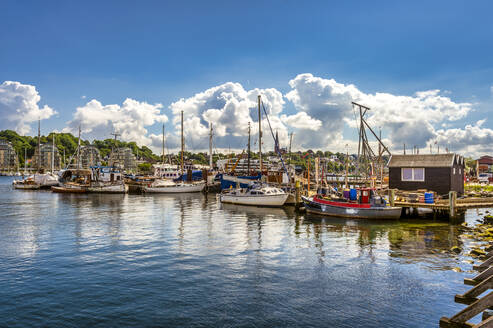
(185, 260)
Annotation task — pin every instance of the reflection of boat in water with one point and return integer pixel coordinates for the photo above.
(254, 210)
(261, 196)
(170, 187)
(366, 206)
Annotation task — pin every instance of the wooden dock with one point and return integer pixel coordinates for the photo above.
(452, 207)
(482, 283)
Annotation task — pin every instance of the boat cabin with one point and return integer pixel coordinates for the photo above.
(106, 174)
(440, 173)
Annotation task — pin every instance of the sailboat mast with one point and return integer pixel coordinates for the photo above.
(53, 155)
(260, 135)
(78, 150)
(249, 129)
(39, 145)
(182, 142)
(163, 143)
(210, 147)
(25, 160)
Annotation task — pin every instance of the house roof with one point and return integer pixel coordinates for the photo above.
(486, 160)
(430, 160)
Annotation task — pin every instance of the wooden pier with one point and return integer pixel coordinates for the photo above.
(452, 207)
(482, 283)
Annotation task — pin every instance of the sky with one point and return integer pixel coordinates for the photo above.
(423, 67)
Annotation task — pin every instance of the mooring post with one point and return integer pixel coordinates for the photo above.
(392, 197)
(452, 196)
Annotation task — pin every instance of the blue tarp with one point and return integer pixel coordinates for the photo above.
(226, 184)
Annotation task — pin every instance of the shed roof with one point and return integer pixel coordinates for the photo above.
(430, 160)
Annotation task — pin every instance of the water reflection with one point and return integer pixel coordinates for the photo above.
(135, 257)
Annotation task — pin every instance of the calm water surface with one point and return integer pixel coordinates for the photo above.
(187, 261)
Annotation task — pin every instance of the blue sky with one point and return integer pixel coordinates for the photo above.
(159, 52)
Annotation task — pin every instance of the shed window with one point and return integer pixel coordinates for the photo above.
(413, 174)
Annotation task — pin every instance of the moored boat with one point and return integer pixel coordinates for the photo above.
(108, 180)
(70, 188)
(256, 196)
(366, 206)
(167, 186)
(26, 184)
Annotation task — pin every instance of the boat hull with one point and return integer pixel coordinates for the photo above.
(182, 188)
(69, 190)
(22, 186)
(386, 213)
(109, 189)
(263, 200)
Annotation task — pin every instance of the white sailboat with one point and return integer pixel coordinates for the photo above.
(107, 180)
(168, 186)
(263, 196)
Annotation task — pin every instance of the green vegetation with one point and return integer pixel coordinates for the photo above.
(478, 188)
(66, 144)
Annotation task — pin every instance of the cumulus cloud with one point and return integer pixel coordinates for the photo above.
(129, 119)
(19, 106)
(471, 140)
(408, 119)
(230, 108)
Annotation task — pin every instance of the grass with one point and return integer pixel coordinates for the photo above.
(478, 187)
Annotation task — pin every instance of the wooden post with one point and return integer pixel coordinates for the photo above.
(297, 195)
(392, 197)
(452, 195)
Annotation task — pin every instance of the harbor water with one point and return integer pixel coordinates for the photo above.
(93, 260)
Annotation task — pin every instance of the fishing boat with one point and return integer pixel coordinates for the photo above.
(256, 196)
(73, 181)
(70, 188)
(106, 179)
(26, 184)
(169, 187)
(365, 204)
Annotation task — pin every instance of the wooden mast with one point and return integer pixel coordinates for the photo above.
(260, 135)
(210, 146)
(39, 145)
(163, 143)
(249, 128)
(53, 154)
(182, 143)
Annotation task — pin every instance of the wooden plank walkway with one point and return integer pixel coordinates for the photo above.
(482, 283)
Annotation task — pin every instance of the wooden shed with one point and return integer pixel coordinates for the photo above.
(436, 172)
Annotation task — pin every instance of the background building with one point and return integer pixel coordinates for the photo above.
(89, 156)
(46, 158)
(8, 157)
(123, 158)
(440, 173)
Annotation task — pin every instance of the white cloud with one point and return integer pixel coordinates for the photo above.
(471, 140)
(408, 119)
(19, 106)
(302, 120)
(130, 120)
(229, 107)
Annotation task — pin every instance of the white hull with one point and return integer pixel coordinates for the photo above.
(179, 188)
(258, 200)
(109, 189)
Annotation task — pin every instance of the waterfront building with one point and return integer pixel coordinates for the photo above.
(123, 158)
(8, 157)
(435, 172)
(89, 156)
(484, 164)
(43, 159)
